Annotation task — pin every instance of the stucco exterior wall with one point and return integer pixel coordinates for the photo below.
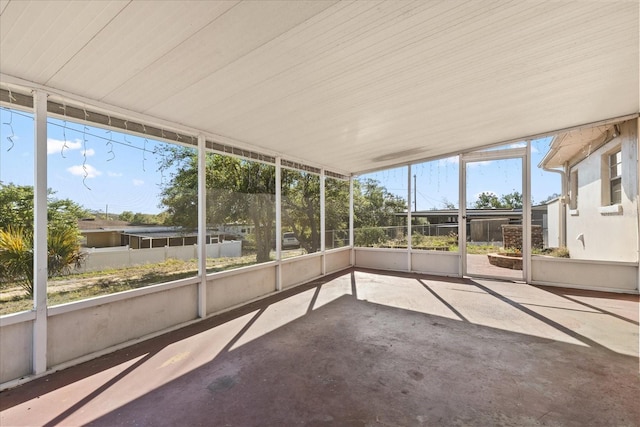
(553, 224)
(593, 232)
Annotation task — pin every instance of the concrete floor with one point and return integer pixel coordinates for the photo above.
(364, 348)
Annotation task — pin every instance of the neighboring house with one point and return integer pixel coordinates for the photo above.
(110, 234)
(241, 230)
(551, 224)
(598, 212)
(483, 225)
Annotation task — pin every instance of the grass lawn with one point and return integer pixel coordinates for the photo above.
(76, 287)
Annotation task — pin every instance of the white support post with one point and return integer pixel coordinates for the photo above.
(202, 227)
(40, 234)
(323, 216)
(526, 214)
(351, 240)
(638, 197)
(279, 223)
(409, 218)
(462, 214)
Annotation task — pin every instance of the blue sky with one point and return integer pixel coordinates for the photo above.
(437, 181)
(110, 170)
(98, 169)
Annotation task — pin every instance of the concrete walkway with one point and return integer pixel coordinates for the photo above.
(365, 348)
(479, 265)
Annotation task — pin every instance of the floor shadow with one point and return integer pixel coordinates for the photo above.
(562, 292)
(356, 360)
(354, 287)
(443, 301)
(546, 320)
(97, 392)
(394, 367)
(59, 379)
(314, 298)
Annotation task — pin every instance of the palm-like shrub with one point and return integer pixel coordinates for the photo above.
(63, 248)
(16, 254)
(16, 257)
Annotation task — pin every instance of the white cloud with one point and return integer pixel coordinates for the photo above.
(522, 145)
(87, 170)
(449, 160)
(89, 152)
(138, 182)
(481, 163)
(56, 145)
(455, 160)
(114, 174)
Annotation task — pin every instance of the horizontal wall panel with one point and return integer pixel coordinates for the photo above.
(15, 350)
(300, 270)
(231, 290)
(599, 275)
(380, 259)
(78, 333)
(336, 261)
(445, 264)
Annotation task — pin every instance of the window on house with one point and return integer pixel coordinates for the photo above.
(573, 203)
(615, 177)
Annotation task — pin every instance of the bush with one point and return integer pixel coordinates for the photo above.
(16, 254)
(370, 236)
(561, 252)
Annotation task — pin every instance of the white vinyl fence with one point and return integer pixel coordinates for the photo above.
(98, 259)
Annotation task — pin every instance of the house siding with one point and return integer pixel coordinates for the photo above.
(592, 234)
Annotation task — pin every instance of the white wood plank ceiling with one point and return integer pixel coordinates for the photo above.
(350, 85)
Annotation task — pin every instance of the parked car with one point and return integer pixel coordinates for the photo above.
(289, 240)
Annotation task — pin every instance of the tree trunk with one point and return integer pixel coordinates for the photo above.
(263, 228)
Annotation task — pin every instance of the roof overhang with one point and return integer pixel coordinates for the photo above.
(349, 86)
(571, 147)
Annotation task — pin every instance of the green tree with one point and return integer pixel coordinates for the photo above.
(16, 234)
(140, 218)
(16, 208)
(488, 200)
(240, 190)
(374, 206)
(301, 207)
(511, 200)
(237, 190)
(446, 204)
(126, 216)
(16, 254)
(336, 212)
